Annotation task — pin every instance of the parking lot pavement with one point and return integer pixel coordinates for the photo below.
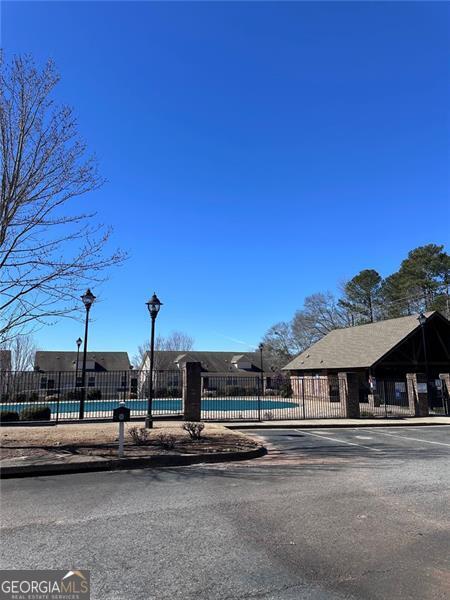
(354, 514)
(403, 443)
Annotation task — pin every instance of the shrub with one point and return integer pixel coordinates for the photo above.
(75, 395)
(166, 440)
(268, 416)
(174, 392)
(52, 397)
(4, 397)
(235, 390)
(21, 397)
(132, 396)
(94, 394)
(286, 390)
(34, 397)
(209, 393)
(194, 429)
(8, 415)
(139, 435)
(39, 413)
(366, 413)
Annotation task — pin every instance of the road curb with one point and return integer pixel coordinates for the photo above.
(303, 425)
(128, 463)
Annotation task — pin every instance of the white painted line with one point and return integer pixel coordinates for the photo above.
(363, 437)
(323, 437)
(404, 437)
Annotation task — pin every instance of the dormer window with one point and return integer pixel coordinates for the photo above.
(240, 361)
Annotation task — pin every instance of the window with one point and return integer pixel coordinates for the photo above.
(91, 381)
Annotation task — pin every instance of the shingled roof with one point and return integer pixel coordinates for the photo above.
(356, 347)
(212, 362)
(46, 360)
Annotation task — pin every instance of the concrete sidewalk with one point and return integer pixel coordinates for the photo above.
(329, 423)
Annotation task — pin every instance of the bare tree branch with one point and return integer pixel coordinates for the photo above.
(47, 252)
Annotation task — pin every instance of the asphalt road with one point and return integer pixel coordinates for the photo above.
(328, 514)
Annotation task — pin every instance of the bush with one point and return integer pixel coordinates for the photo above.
(235, 390)
(166, 440)
(75, 395)
(268, 416)
(4, 397)
(194, 429)
(286, 390)
(132, 396)
(8, 415)
(139, 435)
(366, 413)
(174, 392)
(51, 397)
(40, 413)
(209, 393)
(21, 397)
(34, 397)
(94, 394)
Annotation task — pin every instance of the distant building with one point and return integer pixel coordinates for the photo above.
(239, 369)
(109, 372)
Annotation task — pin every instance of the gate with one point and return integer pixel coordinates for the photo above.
(390, 399)
(56, 396)
(279, 397)
(438, 401)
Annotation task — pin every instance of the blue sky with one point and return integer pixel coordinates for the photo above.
(255, 152)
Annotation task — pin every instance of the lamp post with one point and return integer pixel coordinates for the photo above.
(153, 305)
(78, 343)
(88, 299)
(261, 348)
(422, 320)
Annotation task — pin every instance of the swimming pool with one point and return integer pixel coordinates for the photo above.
(104, 408)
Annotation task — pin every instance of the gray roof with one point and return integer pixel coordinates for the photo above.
(65, 361)
(213, 362)
(356, 347)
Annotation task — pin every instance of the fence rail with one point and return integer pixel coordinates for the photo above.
(58, 396)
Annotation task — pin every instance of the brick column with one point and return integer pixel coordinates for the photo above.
(445, 378)
(416, 385)
(192, 391)
(349, 395)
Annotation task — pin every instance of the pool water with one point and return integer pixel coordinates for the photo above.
(174, 405)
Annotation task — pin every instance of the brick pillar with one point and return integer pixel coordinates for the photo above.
(445, 378)
(192, 391)
(349, 395)
(416, 385)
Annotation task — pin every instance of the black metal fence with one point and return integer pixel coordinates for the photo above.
(59, 396)
(438, 400)
(389, 399)
(276, 397)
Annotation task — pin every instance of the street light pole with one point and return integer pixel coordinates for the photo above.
(88, 299)
(422, 320)
(78, 343)
(261, 348)
(153, 305)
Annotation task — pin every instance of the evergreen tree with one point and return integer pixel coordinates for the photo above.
(362, 296)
